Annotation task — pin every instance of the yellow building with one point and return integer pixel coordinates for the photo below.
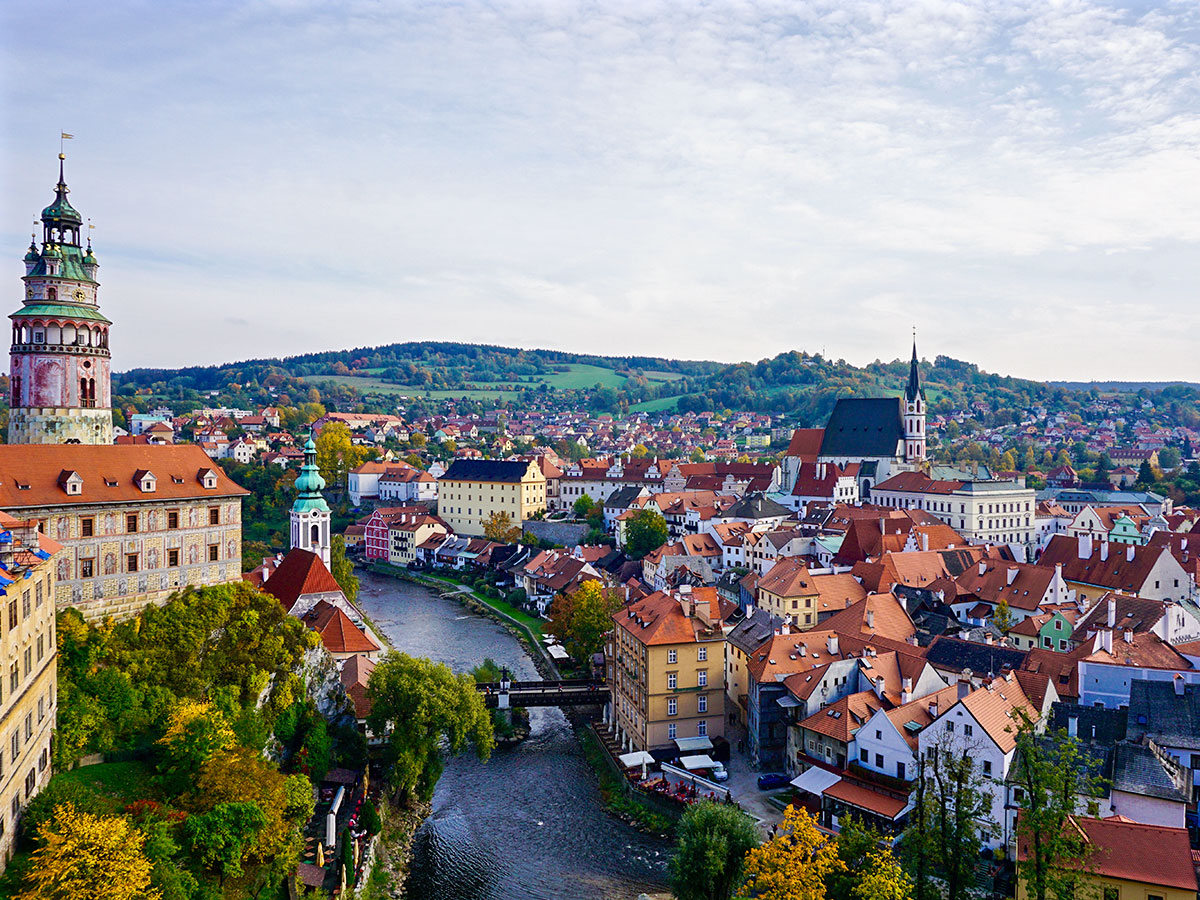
(27, 688)
(1131, 861)
(668, 667)
(136, 522)
(473, 490)
(788, 590)
(407, 532)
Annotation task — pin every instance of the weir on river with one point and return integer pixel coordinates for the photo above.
(529, 822)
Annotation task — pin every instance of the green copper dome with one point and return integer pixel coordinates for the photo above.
(89, 258)
(32, 255)
(309, 483)
(51, 252)
(61, 211)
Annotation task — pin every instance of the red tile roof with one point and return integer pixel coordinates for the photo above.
(301, 573)
(338, 633)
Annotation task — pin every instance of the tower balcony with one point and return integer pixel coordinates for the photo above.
(74, 349)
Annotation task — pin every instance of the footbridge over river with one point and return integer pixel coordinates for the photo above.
(565, 692)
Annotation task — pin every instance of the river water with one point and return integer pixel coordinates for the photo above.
(528, 823)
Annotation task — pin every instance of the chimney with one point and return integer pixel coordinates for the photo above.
(982, 567)
(879, 686)
(1129, 553)
(1013, 571)
(785, 628)
(803, 650)
(1104, 639)
(906, 684)
(1112, 611)
(1104, 550)
(883, 526)
(1128, 636)
(1085, 546)
(1179, 684)
(831, 644)
(870, 618)
(987, 638)
(933, 709)
(266, 567)
(1073, 726)
(905, 698)
(964, 688)
(924, 540)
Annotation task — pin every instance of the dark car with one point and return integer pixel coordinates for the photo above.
(772, 780)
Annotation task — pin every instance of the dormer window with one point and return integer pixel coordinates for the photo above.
(70, 482)
(146, 482)
(208, 478)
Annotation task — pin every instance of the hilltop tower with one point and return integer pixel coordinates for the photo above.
(914, 414)
(310, 513)
(60, 374)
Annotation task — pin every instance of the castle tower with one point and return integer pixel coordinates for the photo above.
(60, 366)
(914, 414)
(310, 512)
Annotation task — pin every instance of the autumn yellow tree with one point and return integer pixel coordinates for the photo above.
(195, 731)
(582, 618)
(86, 857)
(336, 453)
(794, 864)
(499, 527)
(884, 878)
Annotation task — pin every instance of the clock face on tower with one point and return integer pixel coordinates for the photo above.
(79, 294)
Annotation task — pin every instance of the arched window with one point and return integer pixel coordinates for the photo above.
(52, 293)
(16, 390)
(316, 535)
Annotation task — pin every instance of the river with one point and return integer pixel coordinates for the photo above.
(529, 822)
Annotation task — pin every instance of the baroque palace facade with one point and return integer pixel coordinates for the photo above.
(135, 522)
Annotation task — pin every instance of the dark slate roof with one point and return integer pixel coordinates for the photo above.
(958, 655)
(486, 470)
(623, 497)
(860, 426)
(749, 634)
(1092, 723)
(1147, 770)
(1156, 711)
(755, 506)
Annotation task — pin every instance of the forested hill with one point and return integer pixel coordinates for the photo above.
(796, 383)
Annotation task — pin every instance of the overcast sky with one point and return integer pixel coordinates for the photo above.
(1020, 181)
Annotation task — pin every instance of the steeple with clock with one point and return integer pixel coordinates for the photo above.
(59, 380)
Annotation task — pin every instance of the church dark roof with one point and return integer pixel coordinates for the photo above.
(913, 391)
(861, 426)
(486, 470)
(756, 506)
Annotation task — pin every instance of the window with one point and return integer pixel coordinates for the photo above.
(214, 515)
(702, 727)
(28, 727)
(30, 783)
(15, 740)
(671, 731)
(900, 770)
(863, 756)
(37, 591)
(28, 655)
(949, 726)
(702, 654)
(14, 677)
(131, 523)
(172, 557)
(131, 562)
(214, 552)
(87, 568)
(702, 678)
(87, 527)
(968, 729)
(672, 706)
(987, 767)
(1018, 795)
(25, 607)
(1112, 893)
(672, 656)
(173, 519)
(41, 708)
(702, 704)
(672, 681)
(879, 760)
(41, 645)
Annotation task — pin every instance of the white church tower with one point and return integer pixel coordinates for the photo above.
(914, 414)
(310, 513)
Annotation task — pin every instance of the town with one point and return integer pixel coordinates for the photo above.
(880, 645)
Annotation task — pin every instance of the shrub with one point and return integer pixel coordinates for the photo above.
(370, 818)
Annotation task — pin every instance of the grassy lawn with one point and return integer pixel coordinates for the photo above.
(661, 376)
(655, 405)
(376, 386)
(119, 783)
(583, 376)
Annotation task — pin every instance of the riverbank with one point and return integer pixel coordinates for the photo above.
(394, 849)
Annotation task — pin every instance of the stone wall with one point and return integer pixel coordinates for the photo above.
(568, 534)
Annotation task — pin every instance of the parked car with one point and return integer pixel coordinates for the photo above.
(772, 780)
(719, 772)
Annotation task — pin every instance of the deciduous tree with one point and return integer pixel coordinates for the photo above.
(1053, 771)
(645, 530)
(793, 865)
(499, 527)
(88, 856)
(582, 618)
(222, 836)
(336, 453)
(342, 569)
(1002, 617)
(883, 878)
(423, 709)
(713, 840)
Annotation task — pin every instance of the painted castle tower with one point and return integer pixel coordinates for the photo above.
(60, 366)
(310, 513)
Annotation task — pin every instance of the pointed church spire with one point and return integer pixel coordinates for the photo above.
(914, 377)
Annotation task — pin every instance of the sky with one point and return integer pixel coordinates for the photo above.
(1019, 181)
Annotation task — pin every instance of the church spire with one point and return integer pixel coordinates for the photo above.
(310, 516)
(914, 377)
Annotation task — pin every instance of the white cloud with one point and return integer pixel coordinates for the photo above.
(720, 181)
